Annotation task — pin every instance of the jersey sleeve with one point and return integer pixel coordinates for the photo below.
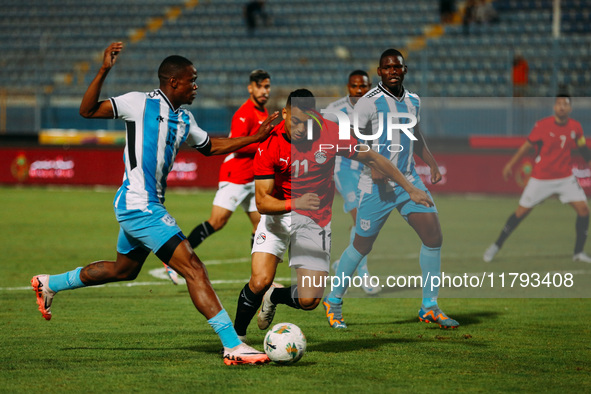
(126, 106)
(580, 137)
(264, 160)
(197, 138)
(535, 136)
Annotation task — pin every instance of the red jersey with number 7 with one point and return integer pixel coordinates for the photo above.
(303, 167)
(554, 144)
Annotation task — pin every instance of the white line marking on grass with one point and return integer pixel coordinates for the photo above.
(133, 284)
(160, 273)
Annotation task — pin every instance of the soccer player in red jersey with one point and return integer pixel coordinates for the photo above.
(236, 181)
(294, 191)
(554, 138)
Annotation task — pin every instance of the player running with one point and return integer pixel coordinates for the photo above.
(390, 100)
(554, 138)
(236, 181)
(294, 192)
(156, 125)
(346, 171)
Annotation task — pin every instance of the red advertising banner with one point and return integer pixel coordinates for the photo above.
(462, 172)
(93, 166)
(482, 173)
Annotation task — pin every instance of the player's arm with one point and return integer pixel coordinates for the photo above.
(240, 129)
(269, 205)
(384, 166)
(422, 150)
(91, 107)
(523, 150)
(220, 146)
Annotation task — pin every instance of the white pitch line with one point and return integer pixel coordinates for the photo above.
(159, 283)
(160, 273)
(227, 261)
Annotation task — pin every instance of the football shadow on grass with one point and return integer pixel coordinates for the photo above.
(466, 319)
(339, 346)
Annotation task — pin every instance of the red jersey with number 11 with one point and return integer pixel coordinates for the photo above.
(303, 167)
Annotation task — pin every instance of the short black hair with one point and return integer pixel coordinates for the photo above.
(358, 72)
(565, 95)
(305, 99)
(171, 66)
(258, 76)
(391, 52)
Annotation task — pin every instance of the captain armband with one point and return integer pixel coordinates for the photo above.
(288, 205)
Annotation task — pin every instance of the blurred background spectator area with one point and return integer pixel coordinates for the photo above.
(51, 50)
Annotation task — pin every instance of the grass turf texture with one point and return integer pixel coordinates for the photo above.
(149, 338)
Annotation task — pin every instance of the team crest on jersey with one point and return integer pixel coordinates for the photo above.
(168, 220)
(573, 135)
(320, 156)
(365, 224)
(351, 197)
(262, 237)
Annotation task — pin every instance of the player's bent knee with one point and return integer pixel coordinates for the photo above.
(125, 268)
(127, 275)
(218, 221)
(362, 247)
(260, 284)
(434, 242)
(308, 304)
(218, 224)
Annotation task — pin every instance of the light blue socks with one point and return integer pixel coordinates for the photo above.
(222, 325)
(66, 281)
(348, 263)
(430, 261)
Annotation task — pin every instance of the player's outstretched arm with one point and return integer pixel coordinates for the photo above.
(508, 169)
(422, 150)
(269, 205)
(91, 107)
(220, 146)
(380, 164)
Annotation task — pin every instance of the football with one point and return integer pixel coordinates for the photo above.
(285, 343)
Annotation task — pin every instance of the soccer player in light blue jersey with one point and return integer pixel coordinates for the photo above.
(383, 106)
(156, 126)
(346, 171)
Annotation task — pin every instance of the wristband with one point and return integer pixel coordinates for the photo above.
(288, 205)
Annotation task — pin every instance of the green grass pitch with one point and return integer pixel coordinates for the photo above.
(149, 337)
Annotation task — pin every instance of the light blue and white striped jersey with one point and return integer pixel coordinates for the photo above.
(379, 102)
(342, 163)
(155, 131)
